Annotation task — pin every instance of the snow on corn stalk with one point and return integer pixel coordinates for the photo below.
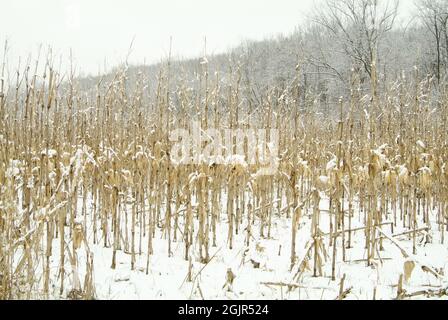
(194, 172)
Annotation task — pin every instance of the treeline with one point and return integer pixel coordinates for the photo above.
(339, 39)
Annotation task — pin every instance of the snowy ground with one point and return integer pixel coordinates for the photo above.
(265, 260)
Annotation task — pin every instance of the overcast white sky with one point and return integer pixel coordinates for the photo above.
(96, 29)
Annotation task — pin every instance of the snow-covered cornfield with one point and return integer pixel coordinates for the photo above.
(92, 207)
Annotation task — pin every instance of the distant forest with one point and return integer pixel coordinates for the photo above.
(340, 39)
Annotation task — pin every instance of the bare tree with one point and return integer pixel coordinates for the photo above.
(358, 26)
(434, 15)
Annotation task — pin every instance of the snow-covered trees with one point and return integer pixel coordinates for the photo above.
(434, 15)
